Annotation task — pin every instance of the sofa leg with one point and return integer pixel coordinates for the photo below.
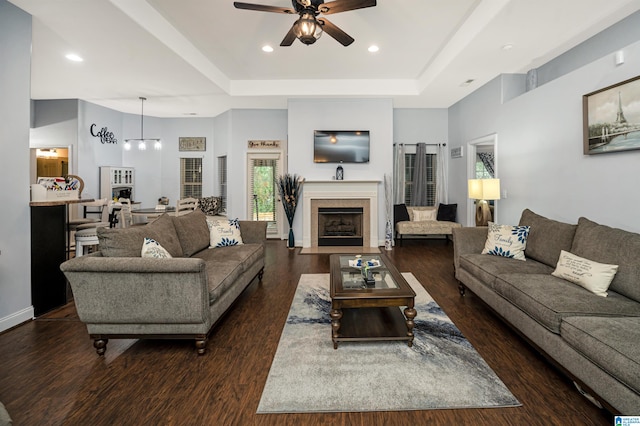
(461, 288)
(201, 345)
(100, 345)
(260, 274)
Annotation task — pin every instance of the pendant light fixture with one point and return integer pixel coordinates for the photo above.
(142, 142)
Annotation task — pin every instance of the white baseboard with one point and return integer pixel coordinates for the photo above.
(16, 318)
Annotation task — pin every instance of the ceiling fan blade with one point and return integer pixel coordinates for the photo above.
(263, 8)
(288, 39)
(335, 32)
(344, 6)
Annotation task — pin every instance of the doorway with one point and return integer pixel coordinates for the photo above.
(479, 166)
(49, 162)
(263, 203)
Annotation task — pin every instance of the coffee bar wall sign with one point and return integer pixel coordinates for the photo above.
(104, 134)
(263, 144)
(192, 144)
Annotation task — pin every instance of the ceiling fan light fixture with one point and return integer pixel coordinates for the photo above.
(307, 29)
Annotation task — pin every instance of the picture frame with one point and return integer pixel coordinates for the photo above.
(611, 118)
(192, 144)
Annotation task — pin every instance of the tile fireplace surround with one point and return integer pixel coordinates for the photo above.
(340, 193)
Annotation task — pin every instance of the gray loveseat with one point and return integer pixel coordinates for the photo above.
(594, 340)
(119, 294)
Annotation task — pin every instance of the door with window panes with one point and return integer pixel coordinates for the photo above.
(263, 202)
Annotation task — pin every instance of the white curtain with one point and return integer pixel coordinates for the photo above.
(442, 176)
(398, 174)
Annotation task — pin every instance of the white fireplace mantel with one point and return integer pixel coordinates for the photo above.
(339, 189)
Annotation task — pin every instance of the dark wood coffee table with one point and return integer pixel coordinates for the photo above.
(369, 312)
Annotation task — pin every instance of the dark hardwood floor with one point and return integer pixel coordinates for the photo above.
(51, 375)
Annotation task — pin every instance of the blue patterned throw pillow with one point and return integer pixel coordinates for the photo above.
(506, 241)
(224, 233)
(152, 248)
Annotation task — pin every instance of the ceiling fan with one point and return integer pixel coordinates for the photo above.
(308, 28)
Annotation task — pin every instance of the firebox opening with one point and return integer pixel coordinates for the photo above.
(340, 226)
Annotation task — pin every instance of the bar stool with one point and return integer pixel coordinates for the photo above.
(87, 236)
(74, 225)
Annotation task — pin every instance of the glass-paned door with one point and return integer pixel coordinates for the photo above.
(263, 194)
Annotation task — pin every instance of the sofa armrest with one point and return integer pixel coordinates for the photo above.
(468, 240)
(253, 231)
(131, 290)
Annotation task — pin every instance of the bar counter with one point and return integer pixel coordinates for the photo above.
(48, 250)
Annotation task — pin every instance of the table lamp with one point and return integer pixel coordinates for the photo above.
(482, 190)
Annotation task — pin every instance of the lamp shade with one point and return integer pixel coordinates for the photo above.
(484, 189)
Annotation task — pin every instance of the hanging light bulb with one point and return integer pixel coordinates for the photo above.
(142, 142)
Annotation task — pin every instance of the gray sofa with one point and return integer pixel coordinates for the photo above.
(119, 294)
(594, 340)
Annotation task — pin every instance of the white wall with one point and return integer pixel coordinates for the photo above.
(172, 130)
(413, 125)
(245, 125)
(15, 229)
(540, 159)
(91, 152)
(307, 115)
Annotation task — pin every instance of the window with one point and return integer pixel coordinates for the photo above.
(409, 164)
(481, 171)
(191, 177)
(222, 182)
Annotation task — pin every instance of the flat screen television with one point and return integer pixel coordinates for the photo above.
(341, 146)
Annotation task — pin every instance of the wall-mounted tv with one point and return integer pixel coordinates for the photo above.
(341, 146)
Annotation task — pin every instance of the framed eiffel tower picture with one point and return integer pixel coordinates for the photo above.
(611, 118)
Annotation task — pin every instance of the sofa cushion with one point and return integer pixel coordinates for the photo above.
(610, 343)
(604, 244)
(127, 242)
(151, 248)
(506, 241)
(192, 231)
(588, 274)
(447, 212)
(226, 264)
(548, 299)
(487, 268)
(546, 237)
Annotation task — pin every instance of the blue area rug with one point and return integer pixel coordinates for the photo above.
(441, 371)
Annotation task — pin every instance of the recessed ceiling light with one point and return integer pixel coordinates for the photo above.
(267, 48)
(507, 47)
(373, 48)
(466, 83)
(73, 57)
(189, 113)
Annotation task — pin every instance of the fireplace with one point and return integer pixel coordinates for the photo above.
(340, 226)
(343, 196)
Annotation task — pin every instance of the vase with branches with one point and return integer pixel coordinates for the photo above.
(388, 198)
(290, 187)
